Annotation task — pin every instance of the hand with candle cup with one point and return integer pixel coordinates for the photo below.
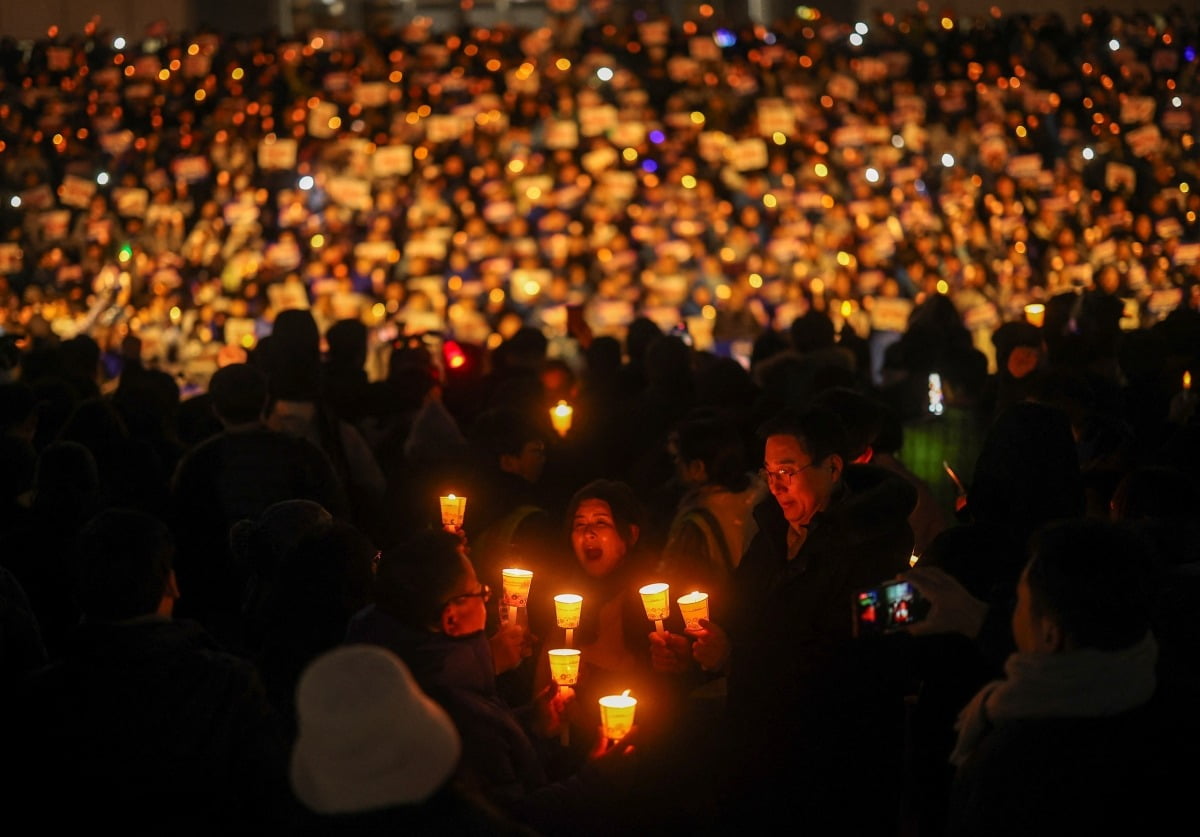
(511, 644)
(670, 653)
(550, 709)
(711, 648)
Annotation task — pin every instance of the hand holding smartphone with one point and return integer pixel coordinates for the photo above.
(888, 607)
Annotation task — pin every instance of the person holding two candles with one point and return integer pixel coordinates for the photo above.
(430, 609)
(814, 719)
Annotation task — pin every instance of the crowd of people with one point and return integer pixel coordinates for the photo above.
(268, 300)
(186, 187)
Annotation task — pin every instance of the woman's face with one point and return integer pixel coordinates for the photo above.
(465, 608)
(599, 548)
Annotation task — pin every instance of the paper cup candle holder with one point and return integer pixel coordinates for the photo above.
(693, 607)
(515, 584)
(616, 715)
(567, 607)
(656, 598)
(454, 509)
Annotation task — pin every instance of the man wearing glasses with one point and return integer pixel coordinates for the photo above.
(814, 725)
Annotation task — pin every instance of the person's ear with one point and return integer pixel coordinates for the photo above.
(634, 531)
(509, 463)
(172, 587)
(696, 471)
(835, 464)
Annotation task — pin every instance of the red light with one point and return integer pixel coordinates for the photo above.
(454, 355)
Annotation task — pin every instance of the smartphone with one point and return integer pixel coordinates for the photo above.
(888, 607)
(680, 330)
(935, 394)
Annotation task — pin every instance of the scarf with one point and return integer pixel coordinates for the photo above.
(1087, 683)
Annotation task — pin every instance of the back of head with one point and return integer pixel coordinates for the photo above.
(414, 577)
(293, 356)
(812, 330)
(526, 349)
(347, 341)
(1028, 471)
(239, 393)
(501, 431)
(641, 333)
(819, 430)
(718, 444)
(126, 559)
(368, 737)
(326, 577)
(1092, 577)
(279, 528)
(965, 370)
(861, 415)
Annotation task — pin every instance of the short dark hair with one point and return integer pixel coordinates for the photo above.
(238, 392)
(126, 557)
(861, 416)
(626, 510)
(414, 577)
(1092, 576)
(818, 430)
(718, 444)
(502, 431)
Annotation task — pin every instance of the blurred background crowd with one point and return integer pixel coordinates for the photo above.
(186, 187)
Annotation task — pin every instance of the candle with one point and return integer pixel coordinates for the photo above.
(913, 559)
(454, 509)
(694, 607)
(515, 584)
(564, 665)
(564, 671)
(656, 600)
(560, 416)
(616, 715)
(566, 610)
(1035, 314)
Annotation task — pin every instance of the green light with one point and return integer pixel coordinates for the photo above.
(125, 253)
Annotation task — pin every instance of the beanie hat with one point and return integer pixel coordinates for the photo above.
(368, 737)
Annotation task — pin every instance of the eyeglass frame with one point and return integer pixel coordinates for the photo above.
(783, 476)
(484, 592)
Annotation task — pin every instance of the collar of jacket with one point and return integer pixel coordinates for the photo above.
(865, 500)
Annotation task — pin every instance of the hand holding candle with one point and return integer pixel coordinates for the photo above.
(656, 599)
(567, 607)
(564, 671)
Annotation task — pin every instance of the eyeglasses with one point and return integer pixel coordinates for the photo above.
(781, 476)
(484, 592)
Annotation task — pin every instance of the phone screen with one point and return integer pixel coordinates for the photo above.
(888, 607)
(935, 393)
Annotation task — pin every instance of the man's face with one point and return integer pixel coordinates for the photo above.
(529, 464)
(801, 486)
(465, 610)
(598, 546)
